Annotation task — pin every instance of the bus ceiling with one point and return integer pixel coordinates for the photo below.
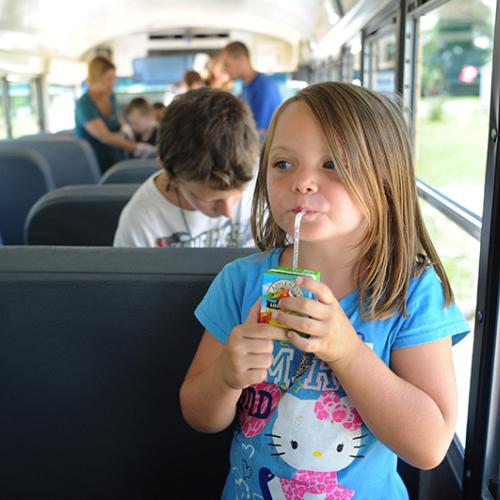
(34, 33)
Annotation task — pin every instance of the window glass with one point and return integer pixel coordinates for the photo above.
(459, 253)
(382, 62)
(351, 60)
(23, 110)
(3, 125)
(61, 108)
(452, 110)
(127, 89)
(332, 69)
(355, 51)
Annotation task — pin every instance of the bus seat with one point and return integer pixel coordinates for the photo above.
(36, 135)
(47, 135)
(130, 171)
(94, 345)
(71, 160)
(78, 215)
(24, 177)
(67, 131)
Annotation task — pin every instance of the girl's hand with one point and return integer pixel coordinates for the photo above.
(249, 351)
(332, 336)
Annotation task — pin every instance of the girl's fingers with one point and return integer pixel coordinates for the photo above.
(306, 306)
(259, 361)
(302, 343)
(253, 314)
(320, 290)
(261, 331)
(299, 323)
(260, 346)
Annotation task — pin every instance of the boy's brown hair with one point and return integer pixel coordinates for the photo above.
(208, 135)
(193, 78)
(158, 106)
(138, 104)
(370, 145)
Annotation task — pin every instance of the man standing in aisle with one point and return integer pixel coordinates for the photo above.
(259, 90)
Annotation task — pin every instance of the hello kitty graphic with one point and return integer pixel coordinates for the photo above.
(318, 438)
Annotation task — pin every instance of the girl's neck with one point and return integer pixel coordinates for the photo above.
(338, 271)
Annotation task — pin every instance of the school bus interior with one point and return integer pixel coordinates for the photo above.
(95, 341)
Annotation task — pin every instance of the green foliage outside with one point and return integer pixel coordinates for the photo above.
(451, 156)
(451, 151)
(451, 44)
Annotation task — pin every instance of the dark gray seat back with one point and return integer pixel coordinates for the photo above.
(78, 215)
(130, 171)
(24, 177)
(94, 346)
(71, 160)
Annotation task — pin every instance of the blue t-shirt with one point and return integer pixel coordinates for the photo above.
(306, 437)
(263, 97)
(86, 110)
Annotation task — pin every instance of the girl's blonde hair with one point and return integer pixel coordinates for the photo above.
(369, 142)
(97, 67)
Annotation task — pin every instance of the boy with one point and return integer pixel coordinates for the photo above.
(141, 120)
(208, 146)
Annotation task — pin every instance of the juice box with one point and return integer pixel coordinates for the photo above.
(278, 283)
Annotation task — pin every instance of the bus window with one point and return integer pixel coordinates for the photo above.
(351, 61)
(459, 252)
(382, 62)
(23, 110)
(355, 51)
(61, 107)
(451, 123)
(453, 100)
(127, 88)
(3, 123)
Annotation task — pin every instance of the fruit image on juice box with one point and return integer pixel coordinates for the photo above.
(278, 283)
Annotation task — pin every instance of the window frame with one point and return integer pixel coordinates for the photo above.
(476, 469)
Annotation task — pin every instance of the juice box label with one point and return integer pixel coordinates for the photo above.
(277, 283)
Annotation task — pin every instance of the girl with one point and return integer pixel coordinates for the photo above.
(376, 378)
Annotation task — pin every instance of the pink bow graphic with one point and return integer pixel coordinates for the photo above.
(329, 407)
(306, 481)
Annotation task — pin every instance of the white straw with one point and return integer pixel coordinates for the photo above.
(298, 218)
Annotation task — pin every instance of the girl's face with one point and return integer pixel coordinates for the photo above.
(301, 175)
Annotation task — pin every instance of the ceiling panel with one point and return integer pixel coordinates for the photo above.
(69, 28)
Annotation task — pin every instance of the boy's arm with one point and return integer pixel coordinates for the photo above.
(412, 407)
(207, 402)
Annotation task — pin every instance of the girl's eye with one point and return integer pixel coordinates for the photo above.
(294, 444)
(282, 165)
(330, 165)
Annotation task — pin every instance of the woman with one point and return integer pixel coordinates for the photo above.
(96, 117)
